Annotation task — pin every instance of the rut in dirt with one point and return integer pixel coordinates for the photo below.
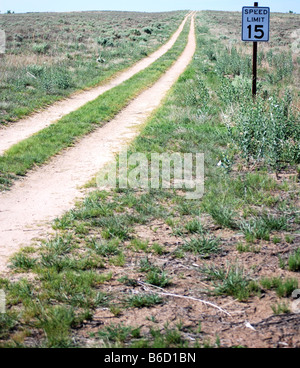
(26, 212)
(16, 132)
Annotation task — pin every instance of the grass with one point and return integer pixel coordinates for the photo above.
(119, 333)
(119, 336)
(283, 288)
(48, 142)
(195, 227)
(294, 261)
(203, 246)
(280, 308)
(231, 281)
(158, 278)
(143, 300)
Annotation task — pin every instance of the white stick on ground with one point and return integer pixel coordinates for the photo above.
(184, 297)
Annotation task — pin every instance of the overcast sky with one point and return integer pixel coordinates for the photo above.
(23, 6)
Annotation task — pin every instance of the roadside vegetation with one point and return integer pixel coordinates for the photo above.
(49, 56)
(136, 268)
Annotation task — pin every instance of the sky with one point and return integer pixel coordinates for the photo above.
(23, 6)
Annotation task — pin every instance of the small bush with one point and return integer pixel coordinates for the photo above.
(147, 30)
(268, 131)
(41, 48)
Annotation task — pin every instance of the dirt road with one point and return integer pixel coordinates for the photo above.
(27, 210)
(24, 128)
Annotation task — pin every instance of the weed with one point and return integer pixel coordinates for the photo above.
(280, 308)
(231, 281)
(22, 262)
(223, 216)
(294, 261)
(110, 248)
(158, 278)
(140, 245)
(56, 323)
(284, 288)
(7, 322)
(116, 333)
(246, 248)
(147, 266)
(143, 300)
(195, 227)
(158, 249)
(203, 246)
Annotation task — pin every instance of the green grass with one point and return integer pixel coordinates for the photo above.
(158, 278)
(119, 333)
(294, 261)
(203, 246)
(195, 227)
(284, 288)
(280, 308)
(231, 281)
(37, 149)
(143, 300)
(56, 323)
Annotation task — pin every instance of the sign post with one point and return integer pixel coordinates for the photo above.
(255, 28)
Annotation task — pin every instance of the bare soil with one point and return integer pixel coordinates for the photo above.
(249, 324)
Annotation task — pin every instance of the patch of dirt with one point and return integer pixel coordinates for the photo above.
(250, 324)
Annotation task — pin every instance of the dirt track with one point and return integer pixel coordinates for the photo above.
(24, 128)
(27, 210)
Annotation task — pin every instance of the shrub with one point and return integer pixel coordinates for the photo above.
(56, 79)
(268, 131)
(41, 48)
(230, 62)
(147, 30)
(105, 42)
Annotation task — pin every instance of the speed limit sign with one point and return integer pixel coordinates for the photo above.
(256, 24)
(255, 28)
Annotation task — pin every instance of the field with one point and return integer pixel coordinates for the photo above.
(153, 269)
(59, 54)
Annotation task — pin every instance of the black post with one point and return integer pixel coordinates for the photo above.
(254, 73)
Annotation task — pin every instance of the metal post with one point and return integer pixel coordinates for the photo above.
(254, 73)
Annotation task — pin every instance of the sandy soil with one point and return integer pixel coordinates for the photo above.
(24, 128)
(27, 210)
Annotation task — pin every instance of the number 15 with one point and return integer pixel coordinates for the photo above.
(257, 29)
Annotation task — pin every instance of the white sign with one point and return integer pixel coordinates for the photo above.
(256, 24)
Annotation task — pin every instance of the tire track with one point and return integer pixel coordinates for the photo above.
(16, 132)
(27, 210)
